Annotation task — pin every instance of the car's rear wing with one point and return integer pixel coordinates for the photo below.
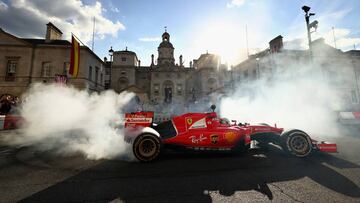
(139, 119)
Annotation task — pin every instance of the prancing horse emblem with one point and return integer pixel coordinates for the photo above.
(214, 138)
(189, 121)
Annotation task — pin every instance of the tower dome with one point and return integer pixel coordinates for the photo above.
(166, 50)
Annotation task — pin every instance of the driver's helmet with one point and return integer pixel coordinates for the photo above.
(224, 121)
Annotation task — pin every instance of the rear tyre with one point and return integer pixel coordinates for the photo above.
(146, 147)
(297, 143)
(241, 147)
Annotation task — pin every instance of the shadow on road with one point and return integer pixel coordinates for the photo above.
(187, 177)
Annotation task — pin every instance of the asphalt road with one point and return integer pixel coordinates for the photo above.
(27, 175)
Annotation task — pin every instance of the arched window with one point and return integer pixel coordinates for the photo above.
(212, 84)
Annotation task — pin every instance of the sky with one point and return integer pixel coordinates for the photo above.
(195, 26)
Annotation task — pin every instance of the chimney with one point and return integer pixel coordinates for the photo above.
(152, 60)
(139, 63)
(181, 61)
(276, 44)
(52, 32)
(190, 64)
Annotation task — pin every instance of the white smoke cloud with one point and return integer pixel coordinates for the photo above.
(69, 121)
(294, 95)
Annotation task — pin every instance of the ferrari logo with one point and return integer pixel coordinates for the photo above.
(189, 121)
(214, 139)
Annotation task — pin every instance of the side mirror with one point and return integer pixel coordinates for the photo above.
(213, 107)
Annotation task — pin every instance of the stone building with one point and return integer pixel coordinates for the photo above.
(166, 81)
(24, 61)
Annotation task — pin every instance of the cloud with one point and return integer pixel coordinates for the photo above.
(3, 6)
(235, 3)
(28, 18)
(343, 38)
(113, 8)
(150, 39)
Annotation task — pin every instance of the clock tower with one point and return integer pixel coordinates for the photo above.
(166, 51)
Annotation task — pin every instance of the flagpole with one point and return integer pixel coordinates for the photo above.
(78, 39)
(92, 47)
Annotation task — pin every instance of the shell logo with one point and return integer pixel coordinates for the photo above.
(230, 136)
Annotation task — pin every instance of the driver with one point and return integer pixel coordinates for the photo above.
(224, 121)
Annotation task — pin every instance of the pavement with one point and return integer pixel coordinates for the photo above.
(262, 175)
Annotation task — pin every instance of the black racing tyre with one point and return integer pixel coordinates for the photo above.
(297, 143)
(146, 147)
(241, 147)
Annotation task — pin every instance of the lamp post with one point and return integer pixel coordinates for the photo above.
(309, 25)
(258, 67)
(111, 54)
(356, 78)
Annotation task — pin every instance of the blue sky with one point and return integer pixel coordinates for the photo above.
(195, 25)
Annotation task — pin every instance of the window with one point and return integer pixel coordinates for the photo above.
(101, 78)
(179, 89)
(123, 73)
(107, 85)
(156, 89)
(46, 69)
(123, 58)
(90, 73)
(107, 71)
(11, 69)
(212, 83)
(96, 75)
(354, 97)
(66, 68)
(246, 74)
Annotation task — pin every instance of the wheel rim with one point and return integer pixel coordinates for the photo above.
(299, 144)
(147, 147)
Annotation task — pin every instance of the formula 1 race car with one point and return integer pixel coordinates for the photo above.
(206, 131)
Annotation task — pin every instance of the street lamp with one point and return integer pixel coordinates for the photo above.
(111, 54)
(309, 25)
(258, 67)
(356, 78)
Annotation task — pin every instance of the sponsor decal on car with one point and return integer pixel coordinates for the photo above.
(214, 138)
(230, 136)
(199, 124)
(197, 139)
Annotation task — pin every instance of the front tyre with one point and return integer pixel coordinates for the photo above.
(297, 143)
(146, 147)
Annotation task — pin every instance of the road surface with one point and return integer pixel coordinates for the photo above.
(28, 175)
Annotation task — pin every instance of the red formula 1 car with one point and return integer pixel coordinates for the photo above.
(206, 131)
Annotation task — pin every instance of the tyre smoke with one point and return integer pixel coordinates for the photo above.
(292, 94)
(68, 120)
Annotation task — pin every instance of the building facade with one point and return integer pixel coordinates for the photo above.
(166, 81)
(24, 61)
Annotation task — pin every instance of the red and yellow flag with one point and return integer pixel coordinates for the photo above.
(75, 57)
